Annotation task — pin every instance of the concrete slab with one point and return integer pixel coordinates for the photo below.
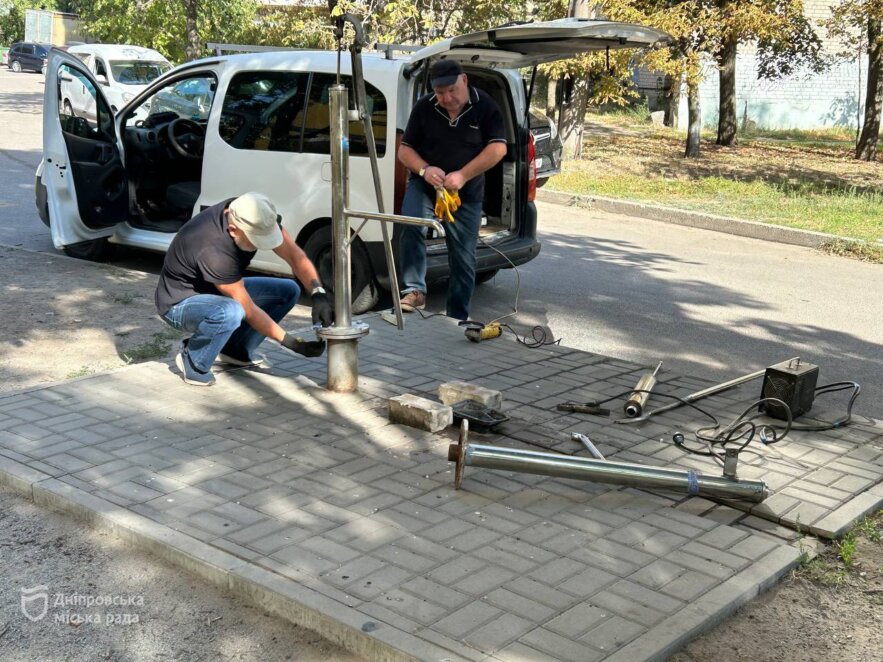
(318, 509)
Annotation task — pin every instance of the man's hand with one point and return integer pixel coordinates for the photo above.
(304, 347)
(454, 181)
(322, 310)
(434, 176)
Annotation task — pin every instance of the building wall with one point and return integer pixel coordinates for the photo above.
(801, 101)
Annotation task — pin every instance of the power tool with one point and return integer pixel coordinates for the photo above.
(476, 331)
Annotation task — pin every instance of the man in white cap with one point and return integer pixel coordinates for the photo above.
(203, 289)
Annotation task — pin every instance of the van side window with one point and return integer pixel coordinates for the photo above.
(317, 132)
(264, 110)
(92, 117)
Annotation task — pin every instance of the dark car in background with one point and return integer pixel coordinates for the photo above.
(28, 56)
(547, 145)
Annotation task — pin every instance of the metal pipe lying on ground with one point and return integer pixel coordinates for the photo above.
(634, 406)
(600, 471)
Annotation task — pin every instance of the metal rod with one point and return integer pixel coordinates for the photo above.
(638, 399)
(618, 473)
(361, 104)
(698, 395)
(396, 218)
(585, 441)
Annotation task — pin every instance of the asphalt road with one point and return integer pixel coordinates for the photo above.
(705, 303)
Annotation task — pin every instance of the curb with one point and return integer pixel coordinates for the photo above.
(752, 229)
(274, 593)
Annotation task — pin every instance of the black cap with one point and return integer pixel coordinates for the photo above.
(444, 73)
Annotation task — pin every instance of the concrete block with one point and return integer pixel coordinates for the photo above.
(420, 413)
(453, 392)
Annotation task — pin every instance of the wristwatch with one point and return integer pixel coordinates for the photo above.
(422, 171)
(317, 290)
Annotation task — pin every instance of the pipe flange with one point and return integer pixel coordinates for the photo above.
(457, 453)
(354, 332)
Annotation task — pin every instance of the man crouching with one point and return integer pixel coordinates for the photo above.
(202, 288)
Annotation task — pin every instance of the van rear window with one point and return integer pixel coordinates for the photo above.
(275, 111)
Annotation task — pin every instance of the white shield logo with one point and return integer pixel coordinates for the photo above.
(34, 602)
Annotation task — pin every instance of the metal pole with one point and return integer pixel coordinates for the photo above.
(635, 404)
(343, 337)
(600, 471)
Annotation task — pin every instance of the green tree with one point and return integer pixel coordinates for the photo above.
(158, 24)
(858, 25)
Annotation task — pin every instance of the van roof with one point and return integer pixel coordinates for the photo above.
(124, 51)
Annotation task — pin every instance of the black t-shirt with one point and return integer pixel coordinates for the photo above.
(201, 255)
(452, 143)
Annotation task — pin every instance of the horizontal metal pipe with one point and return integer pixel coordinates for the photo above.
(396, 218)
(618, 473)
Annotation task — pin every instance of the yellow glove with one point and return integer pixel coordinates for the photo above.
(442, 207)
(453, 200)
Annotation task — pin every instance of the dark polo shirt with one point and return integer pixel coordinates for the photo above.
(450, 144)
(201, 256)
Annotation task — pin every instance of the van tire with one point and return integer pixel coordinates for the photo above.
(366, 292)
(16, 66)
(96, 250)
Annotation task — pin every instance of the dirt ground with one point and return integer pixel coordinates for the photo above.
(79, 318)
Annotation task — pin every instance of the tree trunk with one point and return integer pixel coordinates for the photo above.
(194, 47)
(551, 98)
(727, 120)
(572, 117)
(866, 148)
(694, 119)
(672, 93)
(572, 110)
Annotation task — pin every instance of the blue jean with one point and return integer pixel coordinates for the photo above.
(217, 322)
(461, 238)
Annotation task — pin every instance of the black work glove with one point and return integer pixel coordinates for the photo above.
(310, 348)
(322, 309)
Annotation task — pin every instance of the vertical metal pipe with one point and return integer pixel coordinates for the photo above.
(343, 365)
(340, 224)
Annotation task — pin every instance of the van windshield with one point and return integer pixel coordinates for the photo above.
(137, 72)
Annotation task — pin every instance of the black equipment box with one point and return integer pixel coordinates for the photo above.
(792, 382)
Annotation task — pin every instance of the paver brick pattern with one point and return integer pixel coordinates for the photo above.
(322, 488)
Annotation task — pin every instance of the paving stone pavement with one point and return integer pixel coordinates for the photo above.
(270, 485)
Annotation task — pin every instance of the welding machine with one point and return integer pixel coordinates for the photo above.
(794, 383)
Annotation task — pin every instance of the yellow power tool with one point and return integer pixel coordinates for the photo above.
(476, 332)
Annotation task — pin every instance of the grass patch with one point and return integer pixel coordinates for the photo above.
(125, 298)
(82, 371)
(156, 348)
(841, 562)
(854, 249)
(806, 180)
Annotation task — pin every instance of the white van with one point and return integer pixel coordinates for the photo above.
(122, 71)
(214, 128)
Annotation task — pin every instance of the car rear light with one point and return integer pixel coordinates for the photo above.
(531, 170)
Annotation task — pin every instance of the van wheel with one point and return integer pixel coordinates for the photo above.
(485, 276)
(366, 292)
(16, 66)
(96, 250)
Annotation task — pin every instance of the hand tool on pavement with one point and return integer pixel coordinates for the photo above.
(476, 331)
(585, 441)
(638, 399)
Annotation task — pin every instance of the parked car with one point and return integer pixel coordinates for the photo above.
(261, 123)
(28, 56)
(547, 145)
(121, 70)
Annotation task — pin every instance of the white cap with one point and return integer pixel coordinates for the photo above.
(256, 216)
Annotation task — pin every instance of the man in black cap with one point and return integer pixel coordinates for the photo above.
(453, 136)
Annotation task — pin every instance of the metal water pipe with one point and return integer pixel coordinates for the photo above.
(343, 337)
